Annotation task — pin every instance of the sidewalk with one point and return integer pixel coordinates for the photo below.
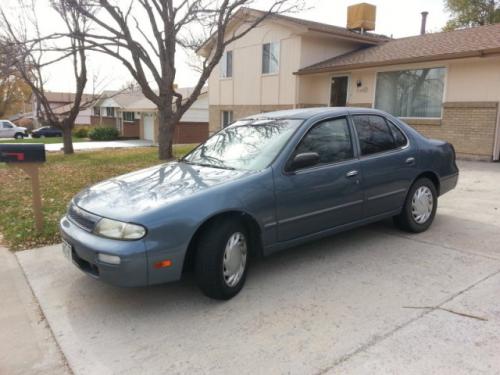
(78, 146)
(26, 345)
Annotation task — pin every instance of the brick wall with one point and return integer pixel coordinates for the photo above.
(191, 132)
(469, 126)
(362, 105)
(131, 129)
(239, 111)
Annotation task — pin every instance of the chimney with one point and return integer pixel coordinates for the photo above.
(424, 22)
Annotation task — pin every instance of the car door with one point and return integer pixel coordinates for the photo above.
(325, 195)
(2, 130)
(387, 163)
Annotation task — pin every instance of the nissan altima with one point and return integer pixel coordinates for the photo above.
(261, 185)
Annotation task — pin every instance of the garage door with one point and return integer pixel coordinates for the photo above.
(149, 127)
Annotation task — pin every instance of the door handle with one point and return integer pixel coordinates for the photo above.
(351, 173)
(410, 160)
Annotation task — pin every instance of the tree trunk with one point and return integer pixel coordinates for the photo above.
(166, 128)
(68, 140)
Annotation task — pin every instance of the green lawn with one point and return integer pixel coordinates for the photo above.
(61, 178)
(41, 140)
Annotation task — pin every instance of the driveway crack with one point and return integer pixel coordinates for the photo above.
(379, 338)
(447, 310)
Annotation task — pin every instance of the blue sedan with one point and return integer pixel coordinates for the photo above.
(261, 185)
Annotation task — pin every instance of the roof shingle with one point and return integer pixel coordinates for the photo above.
(475, 41)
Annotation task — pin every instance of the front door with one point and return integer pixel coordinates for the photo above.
(338, 93)
(323, 196)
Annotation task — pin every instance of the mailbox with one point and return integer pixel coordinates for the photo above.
(22, 153)
(29, 158)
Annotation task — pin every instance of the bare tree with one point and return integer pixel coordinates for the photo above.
(29, 53)
(144, 36)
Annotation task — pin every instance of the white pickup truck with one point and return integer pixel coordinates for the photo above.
(10, 130)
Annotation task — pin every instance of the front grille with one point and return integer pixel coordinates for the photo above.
(82, 218)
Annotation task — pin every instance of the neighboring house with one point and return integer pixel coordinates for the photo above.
(60, 102)
(446, 85)
(136, 116)
(112, 110)
(23, 119)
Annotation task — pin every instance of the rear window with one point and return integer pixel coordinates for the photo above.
(374, 134)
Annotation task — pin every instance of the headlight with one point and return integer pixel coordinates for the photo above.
(119, 230)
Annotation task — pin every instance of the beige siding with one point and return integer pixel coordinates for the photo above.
(467, 80)
(319, 48)
(249, 86)
(474, 80)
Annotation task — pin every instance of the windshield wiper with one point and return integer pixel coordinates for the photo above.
(209, 165)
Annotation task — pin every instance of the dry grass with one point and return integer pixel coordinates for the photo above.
(61, 178)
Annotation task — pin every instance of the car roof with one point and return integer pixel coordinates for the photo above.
(305, 113)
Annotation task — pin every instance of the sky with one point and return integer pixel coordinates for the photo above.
(396, 18)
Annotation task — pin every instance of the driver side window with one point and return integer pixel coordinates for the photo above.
(330, 139)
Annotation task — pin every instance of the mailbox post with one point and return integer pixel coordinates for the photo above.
(28, 157)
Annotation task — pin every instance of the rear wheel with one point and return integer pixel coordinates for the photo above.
(19, 136)
(419, 208)
(221, 259)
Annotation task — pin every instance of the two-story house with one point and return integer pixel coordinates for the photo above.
(447, 85)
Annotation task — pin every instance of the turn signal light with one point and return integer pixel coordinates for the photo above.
(163, 264)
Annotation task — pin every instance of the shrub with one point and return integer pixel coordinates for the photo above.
(103, 134)
(81, 133)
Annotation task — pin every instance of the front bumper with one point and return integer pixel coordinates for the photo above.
(132, 270)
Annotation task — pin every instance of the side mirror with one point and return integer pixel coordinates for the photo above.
(304, 160)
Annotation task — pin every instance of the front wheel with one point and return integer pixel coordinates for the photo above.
(221, 259)
(419, 208)
(19, 136)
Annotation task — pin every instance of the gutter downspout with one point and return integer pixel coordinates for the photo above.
(496, 144)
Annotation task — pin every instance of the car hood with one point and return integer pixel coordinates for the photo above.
(128, 196)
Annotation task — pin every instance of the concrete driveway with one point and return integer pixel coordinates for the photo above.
(79, 146)
(373, 300)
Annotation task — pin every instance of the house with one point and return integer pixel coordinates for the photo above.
(112, 110)
(135, 116)
(446, 85)
(60, 103)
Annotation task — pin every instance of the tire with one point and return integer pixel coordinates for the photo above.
(19, 136)
(417, 218)
(212, 275)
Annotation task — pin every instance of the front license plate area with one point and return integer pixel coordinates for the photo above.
(67, 250)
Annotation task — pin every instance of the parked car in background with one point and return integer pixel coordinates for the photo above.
(46, 131)
(258, 186)
(10, 130)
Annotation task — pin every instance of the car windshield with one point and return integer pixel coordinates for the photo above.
(246, 144)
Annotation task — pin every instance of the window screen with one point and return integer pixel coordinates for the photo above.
(226, 65)
(411, 93)
(270, 57)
